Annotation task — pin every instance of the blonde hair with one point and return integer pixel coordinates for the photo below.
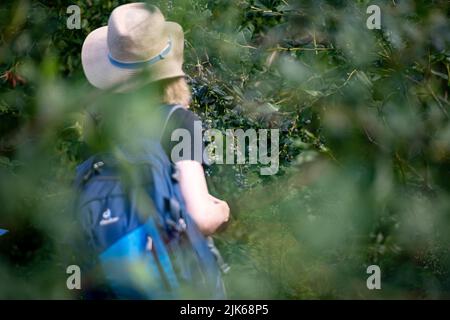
(176, 91)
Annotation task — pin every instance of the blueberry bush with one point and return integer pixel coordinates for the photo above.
(363, 114)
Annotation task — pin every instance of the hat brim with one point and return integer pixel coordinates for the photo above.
(101, 73)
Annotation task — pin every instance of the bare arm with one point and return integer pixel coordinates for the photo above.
(207, 211)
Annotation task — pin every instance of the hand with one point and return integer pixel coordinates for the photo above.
(222, 209)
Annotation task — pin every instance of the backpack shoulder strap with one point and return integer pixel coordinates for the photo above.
(170, 111)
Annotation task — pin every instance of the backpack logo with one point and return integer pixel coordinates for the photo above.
(107, 219)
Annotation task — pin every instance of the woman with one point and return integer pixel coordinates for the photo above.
(139, 47)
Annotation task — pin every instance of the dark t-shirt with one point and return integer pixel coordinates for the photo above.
(183, 118)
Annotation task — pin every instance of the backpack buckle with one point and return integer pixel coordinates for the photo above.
(173, 206)
(96, 166)
(179, 226)
(182, 224)
(175, 173)
(175, 219)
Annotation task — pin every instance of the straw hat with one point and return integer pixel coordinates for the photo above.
(137, 39)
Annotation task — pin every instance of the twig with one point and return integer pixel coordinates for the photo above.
(348, 78)
(299, 49)
(240, 45)
(315, 42)
(437, 100)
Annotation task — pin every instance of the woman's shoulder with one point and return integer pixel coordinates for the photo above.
(182, 111)
(183, 117)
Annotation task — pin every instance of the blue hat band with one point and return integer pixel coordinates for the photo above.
(141, 64)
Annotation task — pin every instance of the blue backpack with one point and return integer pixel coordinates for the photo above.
(136, 227)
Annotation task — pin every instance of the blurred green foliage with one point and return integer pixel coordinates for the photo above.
(364, 141)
